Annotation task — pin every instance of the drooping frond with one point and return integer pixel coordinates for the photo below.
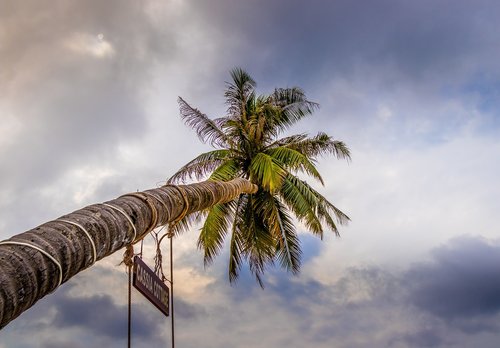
(217, 222)
(323, 208)
(290, 256)
(237, 241)
(280, 226)
(295, 161)
(201, 166)
(341, 217)
(302, 202)
(258, 245)
(207, 130)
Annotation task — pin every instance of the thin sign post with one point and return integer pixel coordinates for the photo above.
(151, 286)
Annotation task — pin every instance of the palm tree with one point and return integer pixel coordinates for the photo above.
(247, 145)
(36, 262)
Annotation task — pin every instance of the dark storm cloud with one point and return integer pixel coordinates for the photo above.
(94, 318)
(338, 37)
(463, 282)
(431, 337)
(102, 316)
(438, 303)
(188, 311)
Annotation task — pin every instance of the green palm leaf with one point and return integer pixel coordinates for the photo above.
(258, 243)
(293, 160)
(211, 239)
(201, 165)
(289, 256)
(266, 171)
(302, 202)
(228, 170)
(236, 244)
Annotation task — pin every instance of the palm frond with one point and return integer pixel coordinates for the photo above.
(292, 159)
(293, 106)
(320, 144)
(239, 92)
(302, 201)
(287, 141)
(266, 171)
(237, 242)
(228, 170)
(201, 166)
(206, 129)
(341, 217)
(290, 256)
(279, 223)
(214, 230)
(323, 208)
(258, 243)
(184, 224)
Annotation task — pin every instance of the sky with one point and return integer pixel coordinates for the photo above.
(88, 111)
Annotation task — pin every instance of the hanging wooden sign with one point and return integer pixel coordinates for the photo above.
(151, 286)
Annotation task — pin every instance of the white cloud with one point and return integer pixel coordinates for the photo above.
(88, 44)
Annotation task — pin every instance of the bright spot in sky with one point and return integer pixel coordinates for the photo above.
(96, 46)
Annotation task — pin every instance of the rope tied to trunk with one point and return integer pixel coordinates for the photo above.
(185, 209)
(128, 256)
(121, 211)
(36, 247)
(154, 212)
(87, 234)
(170, 230)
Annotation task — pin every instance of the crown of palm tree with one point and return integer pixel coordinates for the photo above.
(247, 145)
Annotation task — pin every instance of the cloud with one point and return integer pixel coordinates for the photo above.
(430, 304)
(94, 45)
(73, 89)
(97, 319)
(429, 337)
(102, 316)
(435, 303)
(462, 283)
(337, 38)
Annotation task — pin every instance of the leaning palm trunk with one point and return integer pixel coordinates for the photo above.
(34, 263)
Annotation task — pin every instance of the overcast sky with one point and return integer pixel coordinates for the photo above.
(88, 111)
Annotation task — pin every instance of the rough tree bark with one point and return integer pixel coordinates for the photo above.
(28, 274)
